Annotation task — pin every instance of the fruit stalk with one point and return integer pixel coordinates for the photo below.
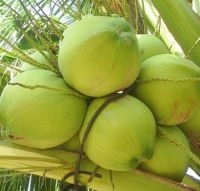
(184, 25)
(156, 25)
(189, 180)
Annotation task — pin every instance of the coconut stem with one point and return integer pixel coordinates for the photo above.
(193, 48)
(143, 16)
(132, 12)
(93, 174)
(60, 90)
(194, 79)
(62, 183)
(158, 26)
(89, 126)
(172, 140)
(136, 17)
(18, 53)
(111, 180)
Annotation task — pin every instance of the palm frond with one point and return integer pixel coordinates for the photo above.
(12, 181)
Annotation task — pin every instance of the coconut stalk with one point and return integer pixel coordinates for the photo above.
(57, 163)
(184, 25)
(157, 26)
(189, 180)
(194, 145)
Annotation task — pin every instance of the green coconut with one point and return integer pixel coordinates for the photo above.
(169, 85)
(99, 55)
(192, 127)
(37, 56)
(72, 145)
(168, 159)
(150, 45)
(122, 136)
(40, 117)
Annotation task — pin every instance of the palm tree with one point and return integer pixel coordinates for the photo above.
(29, 25)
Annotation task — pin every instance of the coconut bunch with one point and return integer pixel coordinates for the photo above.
(120, 98)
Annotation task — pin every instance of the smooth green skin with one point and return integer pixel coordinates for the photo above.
(192, 127)
(39, 58)
(150, 45)
(172, 103)
(72, 145)
(122, 136)
(40, 118)
(99, 55)
(168, 160)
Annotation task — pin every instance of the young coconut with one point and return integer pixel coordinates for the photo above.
(169, 85)
(39, 58)
(192, 127)
(99, 55)
(150, 45)
(168, 159)
(40, 117)
(72, 145)
(123, 134)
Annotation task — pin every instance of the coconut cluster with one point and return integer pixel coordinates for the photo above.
(99, 58)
